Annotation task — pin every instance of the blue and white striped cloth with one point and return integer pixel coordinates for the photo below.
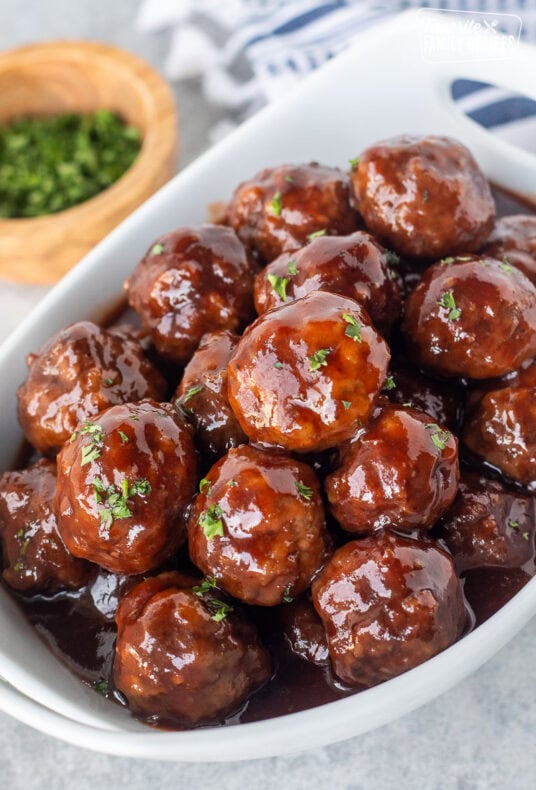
(277, 42)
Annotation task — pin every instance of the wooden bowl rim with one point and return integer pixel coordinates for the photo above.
(157, 94)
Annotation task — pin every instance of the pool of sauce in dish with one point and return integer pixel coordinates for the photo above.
(79, 627)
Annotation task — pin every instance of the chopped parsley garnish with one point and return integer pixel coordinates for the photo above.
(289, 179)
(438, 436)
(392, 258)
(447, 261)
(275, 204)
(222, 609)
(354, 162)
(513, 524)
(292, 268)
(91, 451)
(425, 196)
(116, 500)
(108, 382)
(23, 548)
(278, 364)
(193, 391)
(205, 485)
(318, 359)
(317, 234)
(353, 329)
(208, 583)
(525, 536)
(279, 284)
(346, 404)
(389, 384)
(157, 249)
(304, 491)
(123, 437)
(232, 483)
(506, 266)
(211, 522)
(448, 302)
(287, 598)
(102, 687)
(134, 418)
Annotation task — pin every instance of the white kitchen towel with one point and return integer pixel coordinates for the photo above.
(278, 42)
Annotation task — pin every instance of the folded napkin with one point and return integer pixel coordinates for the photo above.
(250, 52)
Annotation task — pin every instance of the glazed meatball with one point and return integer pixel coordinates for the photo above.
(81, 371)
(182, 660)
(280, 209)
(355, 266)
(123, 485)
(501, 429)
(304, 631)
(401, 471)
(471, 316)
(34, 555)
(388, 603)
(258, 526)
(442, 400)
(304, 376)
(192, 281)
(513, 240)
(202, 395)
(424, 196)
(488, 525)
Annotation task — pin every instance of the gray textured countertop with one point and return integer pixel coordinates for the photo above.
(479, 736)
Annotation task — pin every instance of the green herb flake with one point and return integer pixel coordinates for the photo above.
(506, 266)
(448, 302)
(51, 164)
(319, 359)
(353, 329)
(211, 522)
(208, 584)
(389, 384)
(279, 285)
(354, 162)
(287, 598)
(102, 687)
(124, 438)
(222, 609)
(439, 437)
(292, 268)
(205, 485)
(117, 500)
(447, 261)
(346, 404)
(276, 205)
(425, 196)
(157, 249)
(525, 536)
(289, 179)
(192, 392)
(278, 364)
(513, 524)
(108, 382)
(304, 491)
(90, 453)
(232, 483)
(317, 234)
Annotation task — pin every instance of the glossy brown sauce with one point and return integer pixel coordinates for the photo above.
(79, 627)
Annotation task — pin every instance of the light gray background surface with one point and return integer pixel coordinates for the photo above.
(479, 736)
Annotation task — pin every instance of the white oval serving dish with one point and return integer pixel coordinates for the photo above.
(380, 87)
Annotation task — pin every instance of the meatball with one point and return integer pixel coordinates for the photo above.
(355, 266)
(181, 658)
(501, 429)
(281, 209)
(79, 372)
(304, 631)
(471, 316)
(306, 375)
(34, 555)
(258, 526)
(401, 471)
(202, 394)
(442, 400)
(424, 196)
(488, 525)
(513, 240)
(388, 603)
(123, 485)
(192, 281)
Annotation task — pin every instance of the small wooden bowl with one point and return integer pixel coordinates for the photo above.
(81, 76)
